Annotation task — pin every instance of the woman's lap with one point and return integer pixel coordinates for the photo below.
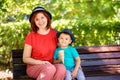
(47, 72)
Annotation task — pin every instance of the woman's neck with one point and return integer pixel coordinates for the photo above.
(43, 31)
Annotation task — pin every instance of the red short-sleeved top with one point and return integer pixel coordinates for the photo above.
(43, 46)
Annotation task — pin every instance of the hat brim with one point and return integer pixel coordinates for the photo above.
(39, 11)
(71, 35)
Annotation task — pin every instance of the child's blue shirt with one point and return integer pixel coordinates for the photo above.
(70, 53)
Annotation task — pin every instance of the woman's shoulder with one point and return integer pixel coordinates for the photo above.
(31, 33)
(53, 30)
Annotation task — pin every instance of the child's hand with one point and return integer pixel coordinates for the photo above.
(61, 56)
(74, 74)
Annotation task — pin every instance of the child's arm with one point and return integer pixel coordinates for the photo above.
(77, 61)
(56, 61)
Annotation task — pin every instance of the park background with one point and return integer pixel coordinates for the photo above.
(93, 22)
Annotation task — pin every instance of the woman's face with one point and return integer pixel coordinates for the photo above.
(41, 21)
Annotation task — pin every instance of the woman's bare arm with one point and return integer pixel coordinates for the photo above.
(27, 56)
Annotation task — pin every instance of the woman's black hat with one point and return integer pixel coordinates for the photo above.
(36, 9)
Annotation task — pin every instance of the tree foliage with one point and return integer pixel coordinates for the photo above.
(17, 10)
(94, 22)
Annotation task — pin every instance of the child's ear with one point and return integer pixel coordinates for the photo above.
(70, 42)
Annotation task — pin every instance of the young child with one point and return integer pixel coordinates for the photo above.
(68, 55)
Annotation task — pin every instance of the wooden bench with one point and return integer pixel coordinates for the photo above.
(98, 63)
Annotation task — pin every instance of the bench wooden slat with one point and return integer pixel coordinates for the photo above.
(94, 49)
(20, 73)
(100, 55)
(19, 67)
(113, 77)
(101, 62)
(17, 53)
(23, 79)
(100, 73)
(18, 61)
(103, 68)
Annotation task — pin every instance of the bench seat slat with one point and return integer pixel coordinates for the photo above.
(100, 62)
(24, 79)
(100, 55)
(17, 53)
(112, 77)
(19, 74)
(17, 61)
(100, 73)
(19, 67)
(102, 68)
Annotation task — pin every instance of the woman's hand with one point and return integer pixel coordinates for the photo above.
(44, 62)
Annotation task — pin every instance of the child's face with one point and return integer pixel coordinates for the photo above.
(64, 40)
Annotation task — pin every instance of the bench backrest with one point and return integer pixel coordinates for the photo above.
(19, 68)
(96, 61)
(100, 60)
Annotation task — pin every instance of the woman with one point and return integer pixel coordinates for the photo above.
(39, 48)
